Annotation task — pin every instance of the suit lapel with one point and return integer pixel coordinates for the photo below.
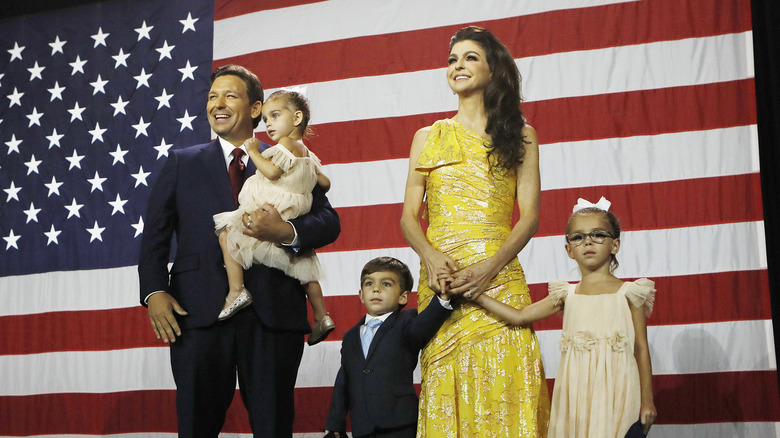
(214, 161)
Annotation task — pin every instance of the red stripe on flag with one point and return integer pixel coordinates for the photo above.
(529, 35)
(685, 203)
(681, 300)
(644, 112)
(680, 399)
(233, 8)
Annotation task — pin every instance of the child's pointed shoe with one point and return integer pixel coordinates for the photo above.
(321, 330)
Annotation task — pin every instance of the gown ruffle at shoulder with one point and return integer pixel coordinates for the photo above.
(597, 391)
(291, 196)
(480, 378)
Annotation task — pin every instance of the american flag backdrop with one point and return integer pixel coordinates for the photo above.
(649, 103)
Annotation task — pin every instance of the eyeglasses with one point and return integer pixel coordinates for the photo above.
(597, 236)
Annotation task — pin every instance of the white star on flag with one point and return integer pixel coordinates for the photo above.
(16, 52)
(57, 45)
(99, 86)
(118, 205)
(140, 128)
(139, 227)
(143, 79)
(97, 182)
(187, 72)
(13, 192)
(186, 121)
(140, 177)
(54, 138)
(35, 117)
(56, 92)
(96, 232)
(75, 160)
(143, 31)
(13, 144)
(15, 97)
(54, 187)
(52, 236)
(119, 155)
(188, 23)
(121, 58)
(11, 240)
(119, 106)
(75, 112)
(78, 65)
(32, 165)
(164, 99)
(32, 213)
(165, 51)
(162, 149)
(36, 71)
(100, 38)
(73, 209)
(97, 133)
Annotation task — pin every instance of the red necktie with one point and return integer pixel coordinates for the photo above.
(236, 172)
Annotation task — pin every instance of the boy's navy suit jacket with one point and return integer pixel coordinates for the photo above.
(378, 391)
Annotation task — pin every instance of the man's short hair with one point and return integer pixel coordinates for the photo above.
(254, 89)
(392, 265)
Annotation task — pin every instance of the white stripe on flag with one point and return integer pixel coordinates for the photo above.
(331, 20)
(642, 67)
(646, 253)
(675, 349)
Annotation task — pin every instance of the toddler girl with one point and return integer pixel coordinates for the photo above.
(603, 385)
(286, 175)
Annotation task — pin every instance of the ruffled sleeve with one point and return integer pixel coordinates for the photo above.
(315, 160)
(558, 289)
(280, 157)
(641, 292)
(440, 149)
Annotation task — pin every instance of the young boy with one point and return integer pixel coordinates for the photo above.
(376, 387)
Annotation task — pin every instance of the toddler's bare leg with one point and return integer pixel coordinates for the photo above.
(316, 300)
(235, 272)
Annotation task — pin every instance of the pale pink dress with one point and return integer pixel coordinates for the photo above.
(597, 392)
(291, 196)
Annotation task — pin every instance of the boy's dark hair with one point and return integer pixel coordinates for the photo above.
(393, 265)
(254, 89)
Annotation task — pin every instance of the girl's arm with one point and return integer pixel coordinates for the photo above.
(264, 165)
(647, 412)
(525, 316)
(323, 181)
(438, 265)
(476, 277)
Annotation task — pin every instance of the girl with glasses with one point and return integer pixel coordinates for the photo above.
(604, 382)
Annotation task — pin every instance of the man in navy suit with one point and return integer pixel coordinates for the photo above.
(379, 355)
(262, 343)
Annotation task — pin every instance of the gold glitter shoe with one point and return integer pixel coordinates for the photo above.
(321, 330)
(239, 303)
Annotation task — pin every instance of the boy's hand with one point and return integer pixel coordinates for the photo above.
(252, 145)
(329, 434)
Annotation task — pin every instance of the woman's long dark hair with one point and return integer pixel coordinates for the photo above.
(502, 98)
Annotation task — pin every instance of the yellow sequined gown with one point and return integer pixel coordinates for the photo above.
(480, 378)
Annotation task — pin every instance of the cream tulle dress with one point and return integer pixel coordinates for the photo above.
(597, 392)
(291, 196)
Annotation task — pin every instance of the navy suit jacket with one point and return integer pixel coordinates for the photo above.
(378, 391)
(192, 186)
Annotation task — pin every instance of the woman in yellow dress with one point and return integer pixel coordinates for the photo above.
(480, 378)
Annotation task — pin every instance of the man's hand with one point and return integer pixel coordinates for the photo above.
(266, 224)
(161, 308)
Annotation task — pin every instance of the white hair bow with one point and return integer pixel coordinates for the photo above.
(603, 204)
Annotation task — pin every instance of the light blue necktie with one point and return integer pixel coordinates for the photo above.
(368, 334)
